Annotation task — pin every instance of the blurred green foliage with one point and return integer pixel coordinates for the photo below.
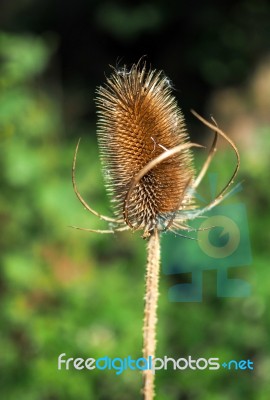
(66, 291)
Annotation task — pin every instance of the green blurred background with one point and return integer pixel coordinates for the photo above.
(68, 291)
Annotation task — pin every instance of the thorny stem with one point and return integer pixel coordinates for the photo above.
(150, 310)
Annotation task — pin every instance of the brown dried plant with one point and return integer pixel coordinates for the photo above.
(148, 168)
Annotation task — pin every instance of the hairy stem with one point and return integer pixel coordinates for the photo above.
(150, 310)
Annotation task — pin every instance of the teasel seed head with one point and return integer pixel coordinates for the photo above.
(139, 119)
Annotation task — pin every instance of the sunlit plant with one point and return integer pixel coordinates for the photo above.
(149, 173)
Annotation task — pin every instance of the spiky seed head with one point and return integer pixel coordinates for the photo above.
(138, 119)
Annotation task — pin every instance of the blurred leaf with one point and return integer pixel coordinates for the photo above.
(23, 57)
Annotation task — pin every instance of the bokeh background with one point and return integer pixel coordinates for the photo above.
(68, 291)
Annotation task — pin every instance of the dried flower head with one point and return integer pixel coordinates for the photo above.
(138, 119)
(146, 153)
